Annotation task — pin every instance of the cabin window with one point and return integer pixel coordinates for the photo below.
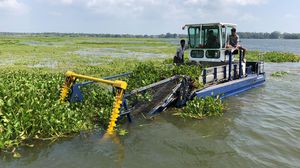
(212, 54)
(210, 37)
(197, 53)
(228, 32)
(194, 37)
(223, 37)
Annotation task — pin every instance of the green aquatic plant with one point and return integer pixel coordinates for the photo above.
(146, 73)
(144, 97)
(279, 74)
(272, 56)
(29, 108)
(122, 132)
(200, 108)
(280, 57)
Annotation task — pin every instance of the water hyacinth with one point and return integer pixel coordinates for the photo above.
(29, 108)
(200, 108)
(279, 74)
(149, 72)
(272, 56)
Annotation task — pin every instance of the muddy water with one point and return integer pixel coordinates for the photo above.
(261, 128)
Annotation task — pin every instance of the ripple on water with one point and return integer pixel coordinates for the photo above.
(267, 131)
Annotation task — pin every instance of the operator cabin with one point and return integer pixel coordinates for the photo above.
(207, 43)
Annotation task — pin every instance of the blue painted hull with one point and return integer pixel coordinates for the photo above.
(232, 87)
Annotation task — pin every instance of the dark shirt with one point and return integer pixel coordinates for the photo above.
(212, 42)
(233, 40)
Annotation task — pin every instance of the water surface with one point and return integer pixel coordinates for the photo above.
(281, 45)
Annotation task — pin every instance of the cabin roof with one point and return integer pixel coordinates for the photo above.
(210, 24)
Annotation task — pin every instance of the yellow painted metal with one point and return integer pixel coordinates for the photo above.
(64, 92)
(120, 85)
(115, 111)
(66, 87)
(117, 83)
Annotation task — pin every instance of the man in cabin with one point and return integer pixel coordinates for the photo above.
(212, 40)
(179, 56)
(233, 42)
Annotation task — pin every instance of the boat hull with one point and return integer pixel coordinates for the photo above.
(232, 87)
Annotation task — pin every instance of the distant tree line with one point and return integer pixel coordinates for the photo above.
(54, 34)
(273, 35)
(244, 35)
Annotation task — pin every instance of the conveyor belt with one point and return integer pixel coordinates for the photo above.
(163, 93)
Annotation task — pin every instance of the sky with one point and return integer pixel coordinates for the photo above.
(146, 16)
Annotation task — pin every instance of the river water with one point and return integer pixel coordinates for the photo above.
(282, 45)
(261, 128)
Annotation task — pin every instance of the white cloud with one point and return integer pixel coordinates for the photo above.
(170, 11)
(55, 13)
(117, 7)
(289, 16)
(247, 17)
(247, 2)
(13, 7)
(160, 8)
(159, 14)
(67, 2)
(63, 2)
(195, 2)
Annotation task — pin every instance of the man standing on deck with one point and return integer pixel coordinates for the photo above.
(179, 56)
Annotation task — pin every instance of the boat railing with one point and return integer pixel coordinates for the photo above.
(219, 73)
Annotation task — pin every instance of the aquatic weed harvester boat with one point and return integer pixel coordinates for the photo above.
(224, 76)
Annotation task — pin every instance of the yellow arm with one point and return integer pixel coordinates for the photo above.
(117, 83)
(120, 85)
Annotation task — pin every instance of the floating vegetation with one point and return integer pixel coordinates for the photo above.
(281, 57)
(41, 43)
(149, 72)
(279, 74)
(29, 108)
(200, 108)
(272, 56)
(122, 132)
(118, 53)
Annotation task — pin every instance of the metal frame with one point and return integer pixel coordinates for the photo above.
(234, 85)
(120, 87)
(77, 96)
